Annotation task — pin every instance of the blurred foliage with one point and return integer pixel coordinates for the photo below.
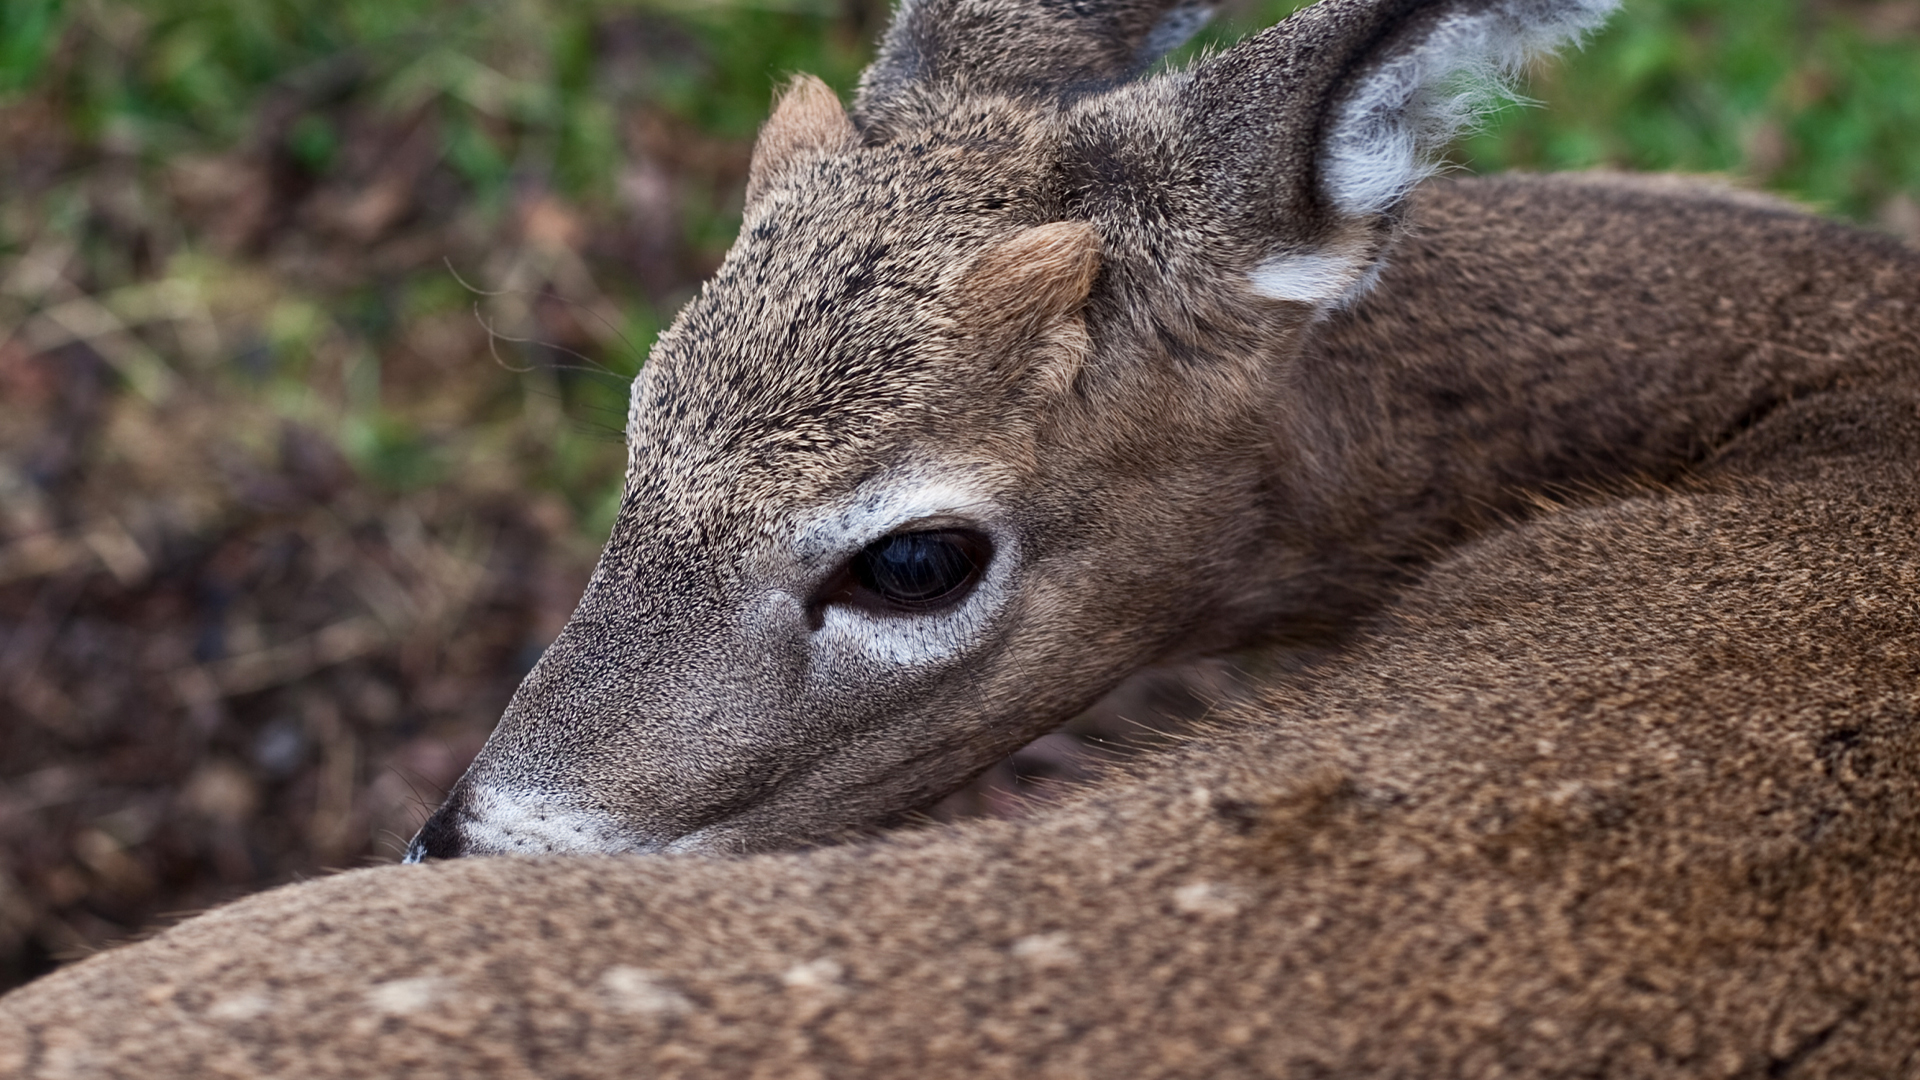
(1815, 99)
(316, 318)
(262, 118)
(522, 76)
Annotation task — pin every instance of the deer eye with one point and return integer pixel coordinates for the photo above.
(919, 571)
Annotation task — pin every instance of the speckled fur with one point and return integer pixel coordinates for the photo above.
(1608, 492)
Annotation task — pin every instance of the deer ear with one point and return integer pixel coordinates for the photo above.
(1298, 147)
(1425, 81)
(1030, 48)
(808, 120)
(1383, 88)
(1028, 291)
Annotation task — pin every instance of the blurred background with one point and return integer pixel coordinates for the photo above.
(316, 318)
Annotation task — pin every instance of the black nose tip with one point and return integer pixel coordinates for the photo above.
(440, 837)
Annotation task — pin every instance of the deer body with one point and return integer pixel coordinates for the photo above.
(1034, 342)
(1604, 489)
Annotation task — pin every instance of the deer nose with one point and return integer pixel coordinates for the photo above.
(439, 837)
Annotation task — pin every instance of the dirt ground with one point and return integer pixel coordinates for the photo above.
(227, 660)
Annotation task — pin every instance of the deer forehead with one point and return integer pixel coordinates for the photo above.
(844, 441)
(835, 303)
(807, 471)
(841, 329)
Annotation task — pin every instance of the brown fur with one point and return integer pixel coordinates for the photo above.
(1603, 507)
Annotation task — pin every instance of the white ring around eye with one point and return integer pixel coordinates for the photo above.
(848, 637)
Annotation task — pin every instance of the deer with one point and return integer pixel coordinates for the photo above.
(1031, 373)
(1587, 506)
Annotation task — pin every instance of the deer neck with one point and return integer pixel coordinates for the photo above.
(1534, 341)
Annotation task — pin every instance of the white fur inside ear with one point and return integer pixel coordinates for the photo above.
(1313, 278)
(1402, 113)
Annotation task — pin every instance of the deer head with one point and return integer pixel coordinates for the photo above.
(987, 409)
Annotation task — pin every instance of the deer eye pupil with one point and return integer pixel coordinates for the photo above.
(922, 570)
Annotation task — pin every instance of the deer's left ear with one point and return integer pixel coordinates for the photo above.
(1299, 145)
(1022, 299)
(1036, 49)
